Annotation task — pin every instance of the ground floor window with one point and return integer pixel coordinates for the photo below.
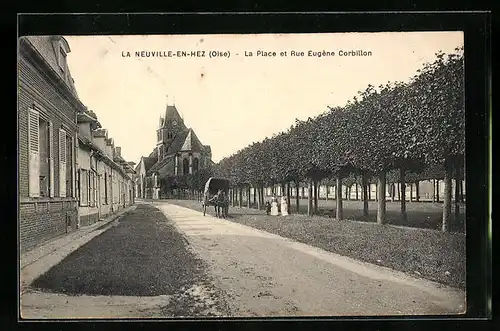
(84, 184)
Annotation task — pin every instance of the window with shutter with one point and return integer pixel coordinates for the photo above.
(71, 165)
(78, 186)
(51, 159)
(96, 183)
(105, 188)
(83, 187)
(34, 153)
(90, 189)
(62, 163)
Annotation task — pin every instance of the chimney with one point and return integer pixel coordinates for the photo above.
(99, 137)
(110, 147)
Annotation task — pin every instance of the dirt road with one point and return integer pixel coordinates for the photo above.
(268, 275)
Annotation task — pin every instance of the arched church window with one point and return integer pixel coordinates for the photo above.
(196, 164)
(185, 166)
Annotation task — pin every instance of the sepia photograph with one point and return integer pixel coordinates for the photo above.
(241, 175)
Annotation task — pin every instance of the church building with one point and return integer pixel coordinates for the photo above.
(178, 153)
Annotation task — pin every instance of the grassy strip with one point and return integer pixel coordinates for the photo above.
(430, 254)
(423, 215)
(144, 255)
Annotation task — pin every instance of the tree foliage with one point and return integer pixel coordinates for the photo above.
(416, 125)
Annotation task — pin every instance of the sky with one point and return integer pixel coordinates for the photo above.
(235, 100)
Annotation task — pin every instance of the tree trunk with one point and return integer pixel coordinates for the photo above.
(364, 180)
(248, 197)
(288, 194)
(399, 188)
(447, 198)
(327, 191)
(457, 191)
(309, 198)
(256, 196)
(315, 197)
(461, 190)
(376, 191)
(338, 197)
(297, 198)
(240, 197)
(260, 196)
(417, 191)
(433, 190)
(356, 187)
(402, 173)
(411, 192)
(437, 190)
(381, 198)
(369, 191)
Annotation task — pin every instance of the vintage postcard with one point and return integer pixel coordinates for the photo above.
(262, 175)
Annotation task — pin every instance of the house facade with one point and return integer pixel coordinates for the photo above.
(47, 131)
(178, 153)
(144, 187)
(68, 177)
(104, 178)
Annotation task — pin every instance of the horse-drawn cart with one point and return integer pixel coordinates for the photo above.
(216, 194)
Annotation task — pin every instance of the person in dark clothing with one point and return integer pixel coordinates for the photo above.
(268, 207)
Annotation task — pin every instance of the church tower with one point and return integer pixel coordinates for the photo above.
(169, 127)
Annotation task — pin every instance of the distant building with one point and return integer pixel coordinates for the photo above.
(141, 177)
(178, 152)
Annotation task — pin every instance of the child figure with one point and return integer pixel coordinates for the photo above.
(268, 207)
(284, 206)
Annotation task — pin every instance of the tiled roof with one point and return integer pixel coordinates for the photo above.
(192, 143)
(178, 141)
(158, 166)
(154, 154)
(148, 162)
(46, 47)
(117, 163)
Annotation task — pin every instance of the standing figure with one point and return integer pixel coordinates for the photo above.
(274, 206)
(284, 206)
(268, 207)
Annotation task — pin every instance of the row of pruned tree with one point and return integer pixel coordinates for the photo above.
(416, 128)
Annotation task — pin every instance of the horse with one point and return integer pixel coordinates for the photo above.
(220, 202)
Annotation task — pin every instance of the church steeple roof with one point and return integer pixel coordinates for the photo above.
(171, 114)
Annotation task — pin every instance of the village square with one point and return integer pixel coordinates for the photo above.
(356, 210)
